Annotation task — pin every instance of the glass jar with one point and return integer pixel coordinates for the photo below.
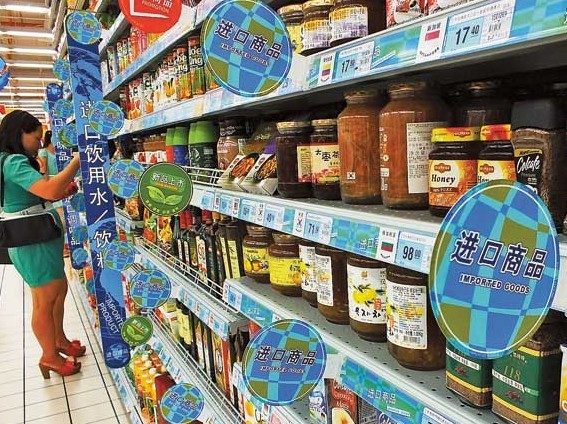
(308, 281)
(485, 105)
(496, 159)
(292, 15)
(367, 297)
(231, 133)
(414, 340)
(285, 265)
(294, 159)
(452, 166)
(255, 252)
(325, 162)
(406, 123)
(332, 287)
(352, 19)
(316, 26)
(359, 134)
(234, 235)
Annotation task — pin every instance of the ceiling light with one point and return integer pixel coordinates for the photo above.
(28, 50)
(24, 87)
(34, 79)
(28, 34)
(25, 8)
(4, 94)
(30, 65)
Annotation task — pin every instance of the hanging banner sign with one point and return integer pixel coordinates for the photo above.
(165, 189)
(54, 92)
(82, 29)
(284, 362)
(494, 269)
(152, 16)
(246, 47)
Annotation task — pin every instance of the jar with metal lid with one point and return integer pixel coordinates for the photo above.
(406, 123)
(294, 159)
(367, 297)
(255, 252)
(285, 264)
(414, 338)
(358, 133)
(332, 287)
(485, 105)
(352, 19)
(496, 159)
(325, 161)
(292, 15)
(452, 166)
(308, 280)
(232, 131)
(316, 26)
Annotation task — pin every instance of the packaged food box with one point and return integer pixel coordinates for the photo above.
(150, 226)
(367, 414)
(263, 177)
(563, 394)
(343, 404)
(222, 363)
(234, 175)
(164, 233)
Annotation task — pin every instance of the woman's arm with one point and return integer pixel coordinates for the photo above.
(42, 160)
(56, 187)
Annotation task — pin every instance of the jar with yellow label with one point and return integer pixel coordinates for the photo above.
(332, 287)
(285, 265)
(255, 252)
(292, 15)
(452, 166)
(496, 159)
(352, 19)
(316, 26)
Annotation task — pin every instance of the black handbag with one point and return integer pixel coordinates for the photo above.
(23, 230)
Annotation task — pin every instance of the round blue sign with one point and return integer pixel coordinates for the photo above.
(123, 178)
(62, 69)
(80, 256)
(4, 74)
(63, 109)
(78, 202)
(246, 47)
(83, 27)
(119, 255)
(80, 233)
(68, 135)
(182, 404)
(284, 362)
(494, 269)
(150, 288)
(106, 118)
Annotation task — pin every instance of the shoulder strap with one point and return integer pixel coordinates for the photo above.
(2, 160)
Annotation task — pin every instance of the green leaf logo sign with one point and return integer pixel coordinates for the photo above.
(165, 189)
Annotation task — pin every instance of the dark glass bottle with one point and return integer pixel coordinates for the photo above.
(187, 219)
(176, 246)
(192, 239)
(210, 230)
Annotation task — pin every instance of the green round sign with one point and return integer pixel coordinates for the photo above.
(165, 189)
(137, 330)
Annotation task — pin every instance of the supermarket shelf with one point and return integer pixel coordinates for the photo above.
(126, 223)
(111, 35)
(184, 369)
(188, 289)
(264, 305)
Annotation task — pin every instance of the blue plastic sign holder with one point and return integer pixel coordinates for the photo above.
(63, 156)
(494, 269)
(83, 28)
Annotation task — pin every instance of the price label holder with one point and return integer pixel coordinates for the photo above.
(431, 40)
(213, 100)
(274, 217)
(247, 210)
(480, 27)
(354, 61)
(387, 245)
(299, 223)
(259, 214)
(318, 228)
(225, 205)
(414, 251)
(432, 417)
(235, 206)
(233, 297)
(326, 68)
(216, 204)
(208, 200)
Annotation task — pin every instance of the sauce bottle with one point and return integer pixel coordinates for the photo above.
(332, 287)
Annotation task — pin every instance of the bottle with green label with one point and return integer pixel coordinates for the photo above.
(203, 137)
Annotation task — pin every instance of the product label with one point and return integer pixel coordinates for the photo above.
(316, 34)
(449, 180)
(349, 22)
(529, 165)
(325, 163)
(202, 156)
(255, 260)
(367, 294)
(304, 164)
(407, 315)
(489, 170)
(324, 279)
(180, 250)
(285, 271)
(224, 255)
(294, 31)
(467, 372)
(307, 256)
(419, 146)
(193, 250)
(233, 258)
(202, 258)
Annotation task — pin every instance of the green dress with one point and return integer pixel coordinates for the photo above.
(51, 168)
(41, 263)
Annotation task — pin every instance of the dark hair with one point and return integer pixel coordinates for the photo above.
(12, 127)
(47, 138)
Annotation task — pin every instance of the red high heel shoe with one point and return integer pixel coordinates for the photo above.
(74, 349)
(69, 367)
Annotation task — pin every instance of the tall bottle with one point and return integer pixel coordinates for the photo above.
(218, 250)
(191, 236)
(202, 248)
(211, 229)
(221, 241)
(177, 243)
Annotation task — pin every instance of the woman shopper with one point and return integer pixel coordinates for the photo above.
(40, 265)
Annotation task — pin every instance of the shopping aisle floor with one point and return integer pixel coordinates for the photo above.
(25, 397)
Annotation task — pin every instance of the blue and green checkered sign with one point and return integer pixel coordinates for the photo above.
(246, 47)
(182, 404)
(284, 362)
(494, 269)
(150, 288)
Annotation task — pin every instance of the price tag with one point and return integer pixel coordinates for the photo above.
(225, 205)
(207, 201)
(414, 251)
(299, 223)
(274, 216)
(431, 40)
(318, 228)
(354, 61)
(326, 66)
(259, 216)
(234, 298)
(387, 245)
(216, 205)
(235, 206)
(247, 210)
(213, 101)
(479, 27)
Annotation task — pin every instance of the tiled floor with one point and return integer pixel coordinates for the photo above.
(25, 397)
